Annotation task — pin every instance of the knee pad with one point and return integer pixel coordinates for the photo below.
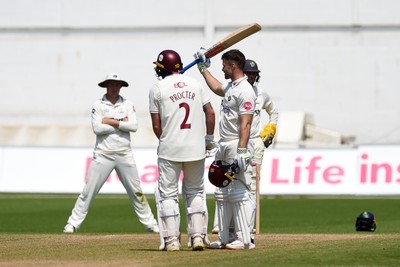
(169, 215)
(242, 221)
(196, 217)
(243, 213)
(168, 218)
(224, 213)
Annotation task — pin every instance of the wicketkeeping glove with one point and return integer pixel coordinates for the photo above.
(211, 146)
(203, 61)
(268, 133)
(242, 160)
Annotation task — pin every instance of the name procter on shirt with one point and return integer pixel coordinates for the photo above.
(179, 100)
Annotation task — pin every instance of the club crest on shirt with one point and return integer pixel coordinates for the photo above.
(247, 105)
(225, 108)
(180, 85)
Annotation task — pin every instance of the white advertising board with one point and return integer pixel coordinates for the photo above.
(367, 170)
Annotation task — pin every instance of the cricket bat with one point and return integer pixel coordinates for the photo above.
(258, 206)
(228, 41)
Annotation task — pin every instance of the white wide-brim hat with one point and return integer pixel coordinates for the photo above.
(113, 77)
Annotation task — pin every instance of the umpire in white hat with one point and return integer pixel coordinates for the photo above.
(113, 119)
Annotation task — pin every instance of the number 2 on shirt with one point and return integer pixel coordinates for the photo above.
(184, 124)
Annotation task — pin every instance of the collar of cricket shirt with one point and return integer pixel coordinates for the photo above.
(105, 99)
(238, 81)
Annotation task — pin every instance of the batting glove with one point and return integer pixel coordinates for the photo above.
(211, 146)
(268, 133)
(242, 160)
(203, 62)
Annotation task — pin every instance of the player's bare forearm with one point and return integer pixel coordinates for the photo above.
(213, 83)
(156, 123)
(109, 121)
(244, 131)
(128, 124)
(210, 118)
(157, 132)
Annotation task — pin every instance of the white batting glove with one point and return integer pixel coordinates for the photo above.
(242, 160)
(204, 62)
(211, 146)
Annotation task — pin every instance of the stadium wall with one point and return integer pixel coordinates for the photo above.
(336, 59)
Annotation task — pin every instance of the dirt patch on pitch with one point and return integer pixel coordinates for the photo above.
(143, 249)
(316, 237)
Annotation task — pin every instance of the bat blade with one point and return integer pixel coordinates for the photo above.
(228, 41)
(232, 39)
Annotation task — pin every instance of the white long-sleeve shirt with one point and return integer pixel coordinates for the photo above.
(263, 102)
(110, 139)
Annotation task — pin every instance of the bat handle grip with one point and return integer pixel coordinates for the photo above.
(189, 65)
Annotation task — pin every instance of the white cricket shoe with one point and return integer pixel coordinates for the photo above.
(153, 228)
(197, 243)
(237, 245)
(215, 230)
(172, 244)
(216, 245)
(69, 228)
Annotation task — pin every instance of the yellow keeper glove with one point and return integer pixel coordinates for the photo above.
(268, 133)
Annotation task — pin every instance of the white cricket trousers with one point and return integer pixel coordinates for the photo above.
(99, 170)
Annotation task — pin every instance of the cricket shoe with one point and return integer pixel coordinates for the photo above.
(197, 243)
(238, 245)
(69, 229)
(153, 228)
(172, 244)
(215, 230)
(216, 245)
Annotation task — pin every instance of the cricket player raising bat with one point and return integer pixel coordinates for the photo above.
(261, 137)
(234, 201)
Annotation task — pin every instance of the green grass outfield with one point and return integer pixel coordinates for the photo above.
(295, 231)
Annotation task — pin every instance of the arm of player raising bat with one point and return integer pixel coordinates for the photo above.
(213, 83)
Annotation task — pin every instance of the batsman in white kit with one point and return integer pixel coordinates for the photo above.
(233, 195)
(260, 137)
(183, 121)
(113, 119)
